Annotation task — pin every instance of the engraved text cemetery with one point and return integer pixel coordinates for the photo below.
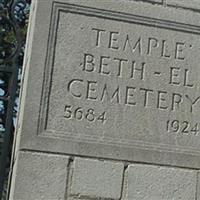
(132, 68)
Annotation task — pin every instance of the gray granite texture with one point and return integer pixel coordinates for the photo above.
(96, 179)
(192, 4)
(40, 177)
(145, 182)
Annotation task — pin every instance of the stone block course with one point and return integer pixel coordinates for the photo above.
(40, 177)
(146, 182)
(96, 179)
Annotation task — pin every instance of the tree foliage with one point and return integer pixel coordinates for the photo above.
(13, 27)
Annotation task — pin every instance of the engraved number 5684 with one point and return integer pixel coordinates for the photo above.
(79, 113)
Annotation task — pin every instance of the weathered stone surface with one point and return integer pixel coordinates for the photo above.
(194, 4)
(40, 177)
(96, 179)
(113, 80)
(144, 182)
(198, 185)
(152, 1)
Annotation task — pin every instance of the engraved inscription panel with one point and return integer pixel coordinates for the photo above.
(124, 83)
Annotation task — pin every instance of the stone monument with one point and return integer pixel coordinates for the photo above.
(110, 105)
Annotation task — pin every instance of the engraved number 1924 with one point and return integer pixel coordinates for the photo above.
(184, 127)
